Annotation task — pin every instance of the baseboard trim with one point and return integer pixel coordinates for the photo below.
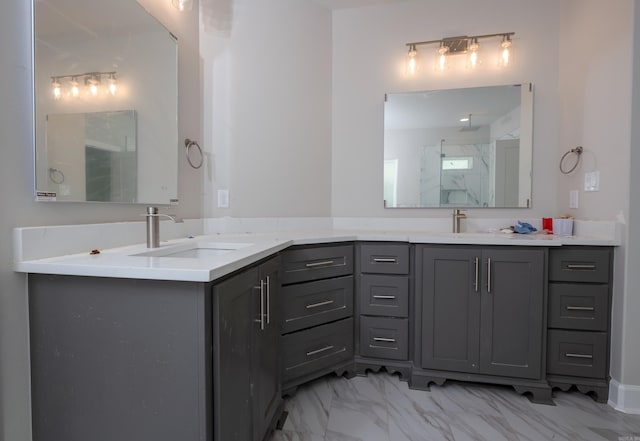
(624, 397)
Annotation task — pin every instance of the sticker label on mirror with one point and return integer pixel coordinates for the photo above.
(45, 196)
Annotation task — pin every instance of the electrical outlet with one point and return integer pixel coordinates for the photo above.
(223, 198)
(573, 199)
(592, 181)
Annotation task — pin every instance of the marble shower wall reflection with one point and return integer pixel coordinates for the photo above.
(454, 175)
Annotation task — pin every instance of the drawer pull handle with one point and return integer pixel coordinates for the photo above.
(384, 297)
(385, 260)
(315, 305)
(569, 355)
(323, 263)
(386, 340)
(581, 266)
(317, 351)
(580, 308)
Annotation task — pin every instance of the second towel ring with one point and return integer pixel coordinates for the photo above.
(578, 151)
(188, 143)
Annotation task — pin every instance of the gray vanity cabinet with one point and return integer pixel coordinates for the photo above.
(246, 349)
(580, 280)
(317, 313)
(383, 305)
(119, 359)
(481, 311)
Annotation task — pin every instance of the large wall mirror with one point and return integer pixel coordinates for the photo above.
(459, 148)
(106, 102)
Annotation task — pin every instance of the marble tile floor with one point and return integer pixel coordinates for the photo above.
(380, 407)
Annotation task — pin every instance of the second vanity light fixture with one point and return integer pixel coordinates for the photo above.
(468, 45)
(91, 80)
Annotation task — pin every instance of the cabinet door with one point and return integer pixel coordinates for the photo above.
(512, 312)
(266, 350)
(234, 322)
(450, 308)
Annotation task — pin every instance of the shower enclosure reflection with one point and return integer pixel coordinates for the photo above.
(459, 148)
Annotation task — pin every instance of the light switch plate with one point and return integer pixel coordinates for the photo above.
(223, 198)
(592, 181)
(573, 199)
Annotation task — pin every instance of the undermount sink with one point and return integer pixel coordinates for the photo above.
(197, 250)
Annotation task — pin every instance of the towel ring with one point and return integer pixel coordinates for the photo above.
(188, 143)
(578, 151)
(56, 176)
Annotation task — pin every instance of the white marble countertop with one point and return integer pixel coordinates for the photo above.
(123, 262)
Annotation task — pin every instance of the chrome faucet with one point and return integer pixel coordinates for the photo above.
(457, 215)
(153, 226)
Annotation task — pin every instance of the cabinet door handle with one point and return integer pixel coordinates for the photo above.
(569, 355)
(386, 340)
(475, 285)
(580, 308)
(261, 321)
(385, 260)
(315, 305)
(317, 351)
(489, 274)
(323, 263)
(580, 266)
(384, 297)
(268, 300)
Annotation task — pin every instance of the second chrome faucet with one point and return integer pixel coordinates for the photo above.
(457, 215)
(153, 226)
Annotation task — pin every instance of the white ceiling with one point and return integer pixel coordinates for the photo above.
(344, 4)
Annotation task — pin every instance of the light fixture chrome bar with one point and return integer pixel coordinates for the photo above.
(462, 37)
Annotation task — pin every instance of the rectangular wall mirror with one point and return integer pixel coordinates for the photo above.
(459, 148)
(106, 103)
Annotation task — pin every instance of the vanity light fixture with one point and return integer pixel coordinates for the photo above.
(461, 45)
(75, 91)
(182, 5)
(91, 81)
(412, 62)
(57, 92)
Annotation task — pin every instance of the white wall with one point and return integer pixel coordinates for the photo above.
(368, 58)
(16, 188)
(267, 107)
(595, 101)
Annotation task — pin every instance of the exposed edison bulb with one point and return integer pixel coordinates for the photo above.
(93, 88)
(57, 91)
(442, 59)
(75, 91)
(412, 61)
(506, 49)
(182, 5)
(113, 86)
(473, 56)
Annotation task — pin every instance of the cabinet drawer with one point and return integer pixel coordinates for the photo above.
(314, 303)
(578, 306)
(576, 353)
(384, 295)
(384, 258)
(317, 348)
(572, 265)
(383, 337)
(305, 264)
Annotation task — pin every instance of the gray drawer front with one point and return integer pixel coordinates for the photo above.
(317, 348)
(577, 353)
(384, 295)
(314, 303)
(305, 264)
(578, 306)
(383, 337)
(384, 258)
(589, 265)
